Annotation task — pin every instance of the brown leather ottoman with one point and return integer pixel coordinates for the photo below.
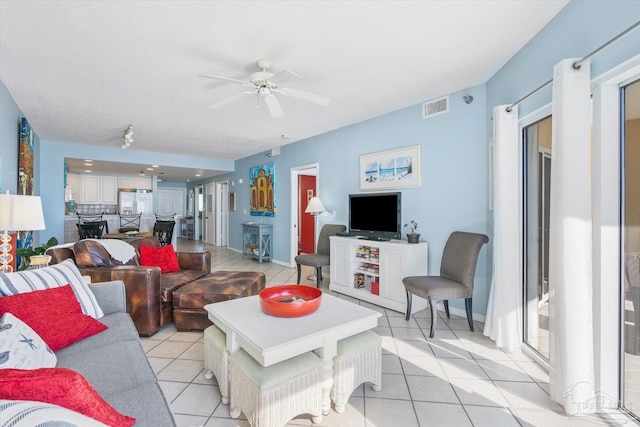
(189, 300)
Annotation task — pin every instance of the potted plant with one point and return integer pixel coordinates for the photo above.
(36, 255)
(412, 236)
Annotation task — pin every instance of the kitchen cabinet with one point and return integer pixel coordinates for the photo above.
(126, 182)
(90, 189)
(73, 181)
(142, 183)
(109, 190)
(373, 271)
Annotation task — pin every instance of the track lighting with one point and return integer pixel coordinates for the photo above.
(128, 137)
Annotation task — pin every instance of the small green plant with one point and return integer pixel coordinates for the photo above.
(413, 225)
(39, 250)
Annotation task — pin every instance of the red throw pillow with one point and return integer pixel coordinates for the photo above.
(159, 256)
(54, 314)
(62, 387)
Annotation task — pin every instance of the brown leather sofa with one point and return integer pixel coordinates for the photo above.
(149, 293)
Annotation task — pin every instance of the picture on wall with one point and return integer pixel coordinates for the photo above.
(391, 169)
(25, 160)
(232, 201)
(263, 190)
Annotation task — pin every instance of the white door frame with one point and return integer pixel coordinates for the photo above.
(209, 213)
(222, 213)
(295, 172)
(198, 189)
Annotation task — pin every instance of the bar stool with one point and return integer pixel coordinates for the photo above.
(216, 359)
(271, 396)
(359, 360)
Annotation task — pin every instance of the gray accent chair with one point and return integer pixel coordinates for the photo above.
(457, 273)
(321, 257)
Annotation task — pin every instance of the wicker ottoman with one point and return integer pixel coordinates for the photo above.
(190, 299)
(271, 396)
(216, 359)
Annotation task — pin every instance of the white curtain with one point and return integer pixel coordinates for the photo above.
(571, 370)
(503, 322)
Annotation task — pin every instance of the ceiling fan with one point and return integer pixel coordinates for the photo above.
(265, 84)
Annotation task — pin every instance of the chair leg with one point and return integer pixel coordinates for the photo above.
(299, 272)
(408, 305)
(318, 277)
(434, 316)
(446, 307)
(468, 306)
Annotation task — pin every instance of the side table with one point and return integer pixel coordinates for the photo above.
(257, 242)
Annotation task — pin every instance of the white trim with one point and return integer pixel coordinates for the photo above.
(295, 171)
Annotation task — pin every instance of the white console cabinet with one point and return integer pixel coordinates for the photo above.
(360, 268)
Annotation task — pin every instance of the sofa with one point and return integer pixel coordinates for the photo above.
(149, 292)
(114, 363)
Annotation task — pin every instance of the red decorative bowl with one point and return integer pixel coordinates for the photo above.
(290, 300)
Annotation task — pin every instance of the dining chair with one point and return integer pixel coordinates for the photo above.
(457, 273)
(92, 230)
(129, 223)
(163, 230)
(321, 257)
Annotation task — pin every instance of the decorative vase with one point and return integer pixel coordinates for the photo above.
(71, 206)
(413, 238)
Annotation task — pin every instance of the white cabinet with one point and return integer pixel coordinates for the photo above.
(142, 183)
(171, 200)
(361, 268)
(126, 182)
(109, 190)
(90, 187)
(135, 182)
(73, 181)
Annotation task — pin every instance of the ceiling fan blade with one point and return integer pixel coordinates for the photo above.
(211, 76)
(229, 100)
(306, 96)
(274, 106)
(283, 77)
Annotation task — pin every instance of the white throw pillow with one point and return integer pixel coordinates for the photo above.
(28, 413)
(51, 277)
(21, 347)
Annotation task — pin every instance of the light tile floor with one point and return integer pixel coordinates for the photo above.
(458, 378)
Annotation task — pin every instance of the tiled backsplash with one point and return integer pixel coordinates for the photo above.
(97, 209)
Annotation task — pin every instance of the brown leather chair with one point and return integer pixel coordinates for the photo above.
(149, 293)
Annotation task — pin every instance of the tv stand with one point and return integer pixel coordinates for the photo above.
(373, 270)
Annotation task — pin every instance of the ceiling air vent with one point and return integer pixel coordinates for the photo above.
(435, 107)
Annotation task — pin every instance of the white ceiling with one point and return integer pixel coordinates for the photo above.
(82, 71)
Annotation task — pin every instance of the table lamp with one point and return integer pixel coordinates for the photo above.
(17, 213)
(315, 206)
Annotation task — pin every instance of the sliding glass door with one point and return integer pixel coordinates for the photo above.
(537, 186)
(631, 246)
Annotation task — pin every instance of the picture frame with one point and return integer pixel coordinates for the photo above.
(262, 180)
(399, 168)
(232, 201)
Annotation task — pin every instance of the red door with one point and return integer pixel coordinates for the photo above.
(306, 235)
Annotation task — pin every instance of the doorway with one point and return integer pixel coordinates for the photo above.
(222, 213)
(304, 185)
(537, 186)
(209, 217)
(199, 211)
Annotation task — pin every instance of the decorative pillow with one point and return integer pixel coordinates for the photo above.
(28, 413)
(63, 387)
(65, 273)
(160, 256)
(21, 347)
(54, 314)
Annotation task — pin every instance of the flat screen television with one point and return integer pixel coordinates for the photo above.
(376, 216)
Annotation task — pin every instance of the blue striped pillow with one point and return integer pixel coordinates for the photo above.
(28, 413)
(52, 277)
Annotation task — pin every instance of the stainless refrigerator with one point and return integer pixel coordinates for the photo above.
(135, 201)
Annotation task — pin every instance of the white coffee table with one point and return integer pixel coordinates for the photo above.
(270, 339)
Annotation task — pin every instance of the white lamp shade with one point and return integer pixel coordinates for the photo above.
(20, 213)
(315, 206)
